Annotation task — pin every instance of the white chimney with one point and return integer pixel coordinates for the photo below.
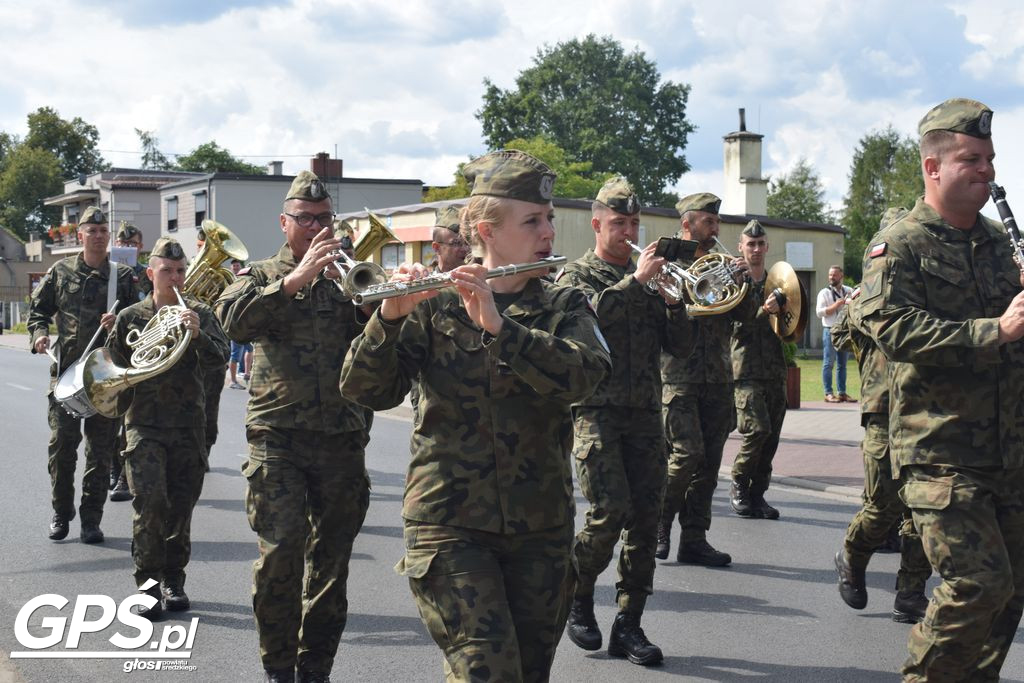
(746, 192)
(275, 168)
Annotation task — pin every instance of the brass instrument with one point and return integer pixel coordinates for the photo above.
(206, 278)
(357, 272)
(709, 281)
(69, 391)
(388, 290)
(790, 321)
(154, 350)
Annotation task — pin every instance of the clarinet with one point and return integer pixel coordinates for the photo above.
(1009, 222)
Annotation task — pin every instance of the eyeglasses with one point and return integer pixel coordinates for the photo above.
(306, 220)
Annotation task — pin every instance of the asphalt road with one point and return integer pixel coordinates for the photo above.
(775, 615)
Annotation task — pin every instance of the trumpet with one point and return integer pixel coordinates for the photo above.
(710, 282)
(358, 274)
(388, 290)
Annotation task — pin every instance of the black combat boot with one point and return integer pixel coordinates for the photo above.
(909, 607)
(121, 492)
(761, 508)
(700, 552)
(279, 675)
(175, 599)
(156, 611)
(306, 676)
(628, 640)
(739, 498)
(59, 526)
(852, 588)
(582, 627)
(91, 533)
(664, 538)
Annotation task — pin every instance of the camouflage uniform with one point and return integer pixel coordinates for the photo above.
(759, 372)
(488, 502)
(619, 443)
(308, 490)
(213, 386)
(931, 299)
(76, 294)
(882, 505)
(165, 457)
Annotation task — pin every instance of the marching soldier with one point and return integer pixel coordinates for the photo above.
(450, 250)
(308, 490)
(942, 299)
(488, 505)
(165, 456)
(619, 439)
(75, 292)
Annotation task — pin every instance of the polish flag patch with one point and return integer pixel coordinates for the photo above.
(878, 250)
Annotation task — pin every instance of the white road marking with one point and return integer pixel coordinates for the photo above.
(18, 386)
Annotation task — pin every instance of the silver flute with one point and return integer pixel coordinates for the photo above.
(388, 290)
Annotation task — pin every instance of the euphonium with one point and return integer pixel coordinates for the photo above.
(709, 282)
(154, 350)
(206, 278)
(359, 274)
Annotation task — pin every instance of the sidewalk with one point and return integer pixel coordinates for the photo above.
(820, 446)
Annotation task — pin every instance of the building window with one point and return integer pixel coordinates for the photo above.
(172, 214)
(200, 198)
(72, 214)
(389, 256)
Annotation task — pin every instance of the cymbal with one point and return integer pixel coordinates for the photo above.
(789, 323)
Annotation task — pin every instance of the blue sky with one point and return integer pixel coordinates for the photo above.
(395, 85)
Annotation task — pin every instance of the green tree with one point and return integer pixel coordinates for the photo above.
(886, 171)
(75, 143)
(152, 157)
(457, 190)
(798, 195)
(210, 157)
(601, 105)
(30, 175)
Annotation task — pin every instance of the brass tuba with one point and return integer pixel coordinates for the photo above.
(357, 272)
(206, 278)
(154, 350)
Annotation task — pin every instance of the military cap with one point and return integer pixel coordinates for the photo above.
(702, 201)
(958, 115)
(448, 217)
(93, 214)
(168, 247)
(754, 229)
(618, 195)
(307, 187)
(512, 174)
(127, 231)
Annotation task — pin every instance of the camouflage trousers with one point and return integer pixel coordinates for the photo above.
(881, 509)
(760, 411)
(620, 464)
(165, 469)
(972, 526)
(65, 436)
(698, 419)
(307, 496)
(213, 386)
(495, 604)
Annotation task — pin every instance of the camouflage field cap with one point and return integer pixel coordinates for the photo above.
(307, 187)
(958, 115)
(448, 217)
(512, 174)
(168, 247)
(702, 201)
(754, 229)
(127, 231)
(618, 195)
(93, 215)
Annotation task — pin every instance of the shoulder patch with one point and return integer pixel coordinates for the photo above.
(878, 250)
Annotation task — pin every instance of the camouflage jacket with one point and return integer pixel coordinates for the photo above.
(756, 349)
(637, 325)
(299, 345)
(931, 299)
(174, 398)
(490, 449)
(76, 294)
(874, 388)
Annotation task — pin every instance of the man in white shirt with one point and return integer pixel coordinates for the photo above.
(830, 301)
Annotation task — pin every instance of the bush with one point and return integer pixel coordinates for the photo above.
(789, 351)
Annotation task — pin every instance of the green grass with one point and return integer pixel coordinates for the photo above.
(811, 388)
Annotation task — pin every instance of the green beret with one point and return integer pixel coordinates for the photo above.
(512, 174)
(754, 229)
(168, 247)
(958, 115)
(307, 187)
(127, 231)
(702, 201)
(448, 217)
(618, 195)
(93, 215)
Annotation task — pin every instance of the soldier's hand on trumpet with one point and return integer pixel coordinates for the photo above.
(401, 306)
(320, 253)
